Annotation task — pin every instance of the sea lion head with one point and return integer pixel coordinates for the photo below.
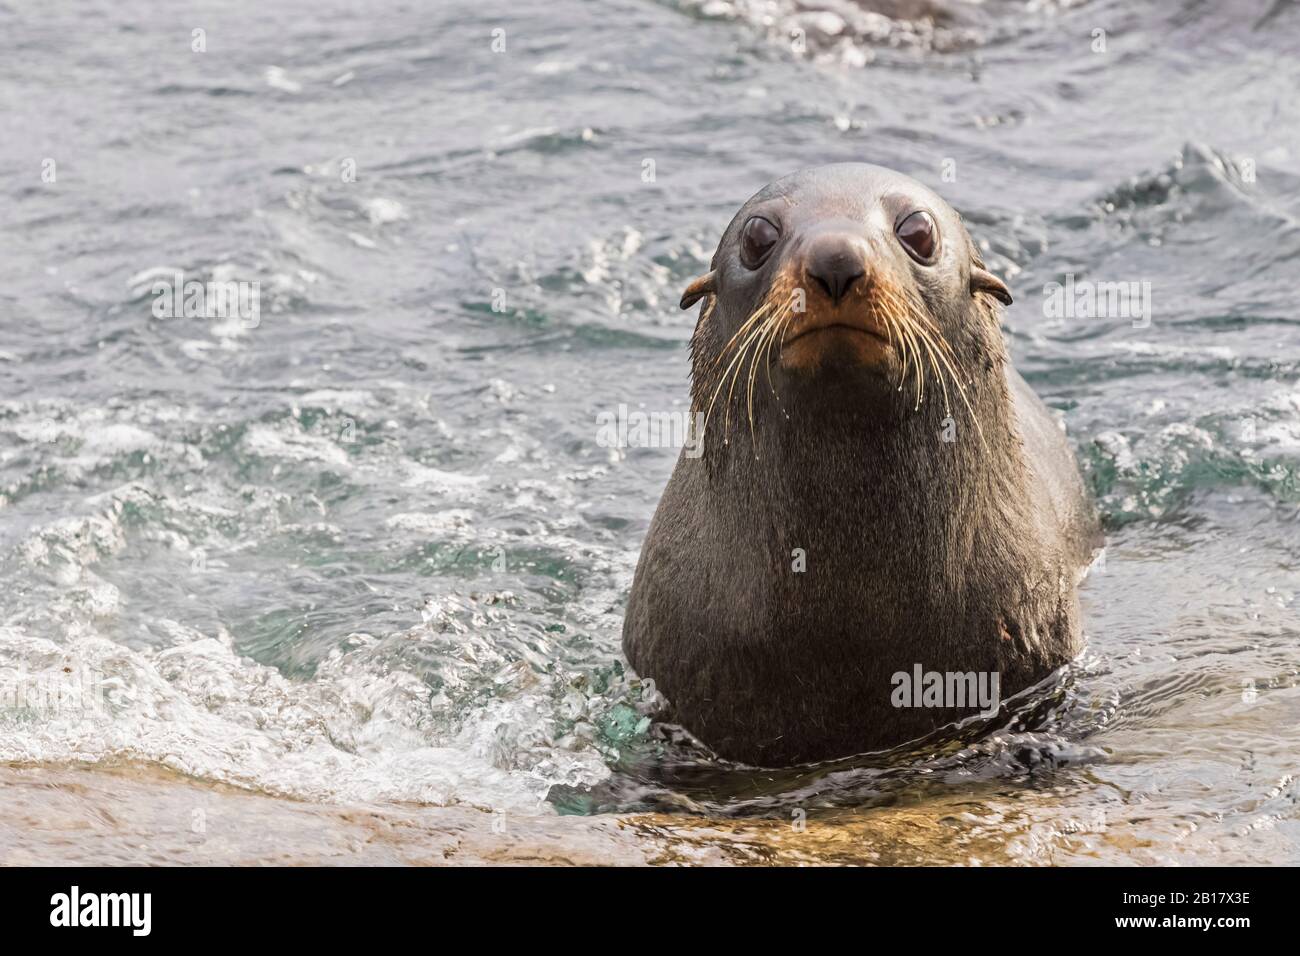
(848, 283)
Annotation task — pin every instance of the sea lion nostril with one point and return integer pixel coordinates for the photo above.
(836, 269)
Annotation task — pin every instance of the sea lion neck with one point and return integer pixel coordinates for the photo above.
(845, 480)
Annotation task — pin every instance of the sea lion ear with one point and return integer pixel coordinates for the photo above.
(981, 280)
(704, 285)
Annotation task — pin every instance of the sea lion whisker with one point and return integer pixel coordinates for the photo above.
(761, 340)
(936, 347)
(922, 330)
(764, 336)
(736, 365)
(896, 308)
(930, 349)
(908, 327)
(777, 339)
(938, 353)
(904, 347)
(763, 332)
(745, 326)
(720, 381)
(906, 351)
(745, 336)
(943, 355)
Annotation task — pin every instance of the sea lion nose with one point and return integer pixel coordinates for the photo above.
(835, 263)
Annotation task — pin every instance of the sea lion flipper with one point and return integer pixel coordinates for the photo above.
(698, 289)
(981, 280)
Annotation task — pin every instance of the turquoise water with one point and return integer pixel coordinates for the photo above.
(370, 549)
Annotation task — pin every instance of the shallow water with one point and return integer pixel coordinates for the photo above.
(368, 552)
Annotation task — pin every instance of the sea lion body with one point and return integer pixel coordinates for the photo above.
(847, 530)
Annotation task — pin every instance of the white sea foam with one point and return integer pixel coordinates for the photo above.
(441, 522)
(277, 78)
(269, 442)
(352, 734)
(382, 211)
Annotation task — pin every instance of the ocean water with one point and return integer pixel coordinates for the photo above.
(364, 549)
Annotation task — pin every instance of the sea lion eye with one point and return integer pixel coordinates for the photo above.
(756, 241)
(918, 234)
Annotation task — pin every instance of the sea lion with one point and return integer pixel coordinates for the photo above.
(879, 494)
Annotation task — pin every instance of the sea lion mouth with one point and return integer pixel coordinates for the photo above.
(878, 334)
(852, 338)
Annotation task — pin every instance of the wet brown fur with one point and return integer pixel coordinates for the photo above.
(960, 556)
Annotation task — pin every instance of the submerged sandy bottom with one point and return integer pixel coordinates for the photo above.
(133, 815)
